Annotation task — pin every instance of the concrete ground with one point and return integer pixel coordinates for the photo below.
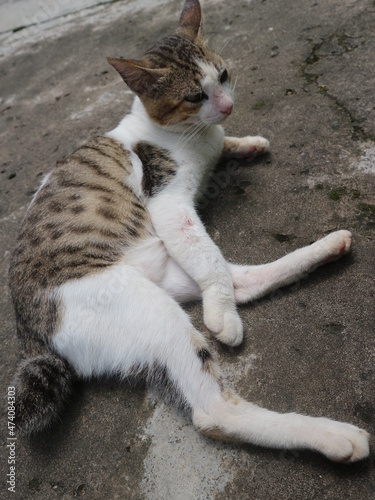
(305, 80)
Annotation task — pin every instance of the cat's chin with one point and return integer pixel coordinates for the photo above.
(216, 120)
(220, 120)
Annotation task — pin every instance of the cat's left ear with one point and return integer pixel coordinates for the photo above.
(190, 20)
(139, 78)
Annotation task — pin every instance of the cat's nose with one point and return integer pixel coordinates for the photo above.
(223, 102)
(226, 107)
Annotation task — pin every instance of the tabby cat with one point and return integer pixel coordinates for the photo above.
(112, 244)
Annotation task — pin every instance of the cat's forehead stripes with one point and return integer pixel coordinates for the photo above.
(175, 51)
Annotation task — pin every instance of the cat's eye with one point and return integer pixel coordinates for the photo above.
(194, 98)
(224, 76)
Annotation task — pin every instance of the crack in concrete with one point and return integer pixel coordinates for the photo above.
(313, 78)
(359, 134)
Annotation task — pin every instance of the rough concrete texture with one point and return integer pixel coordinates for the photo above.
(305, 80)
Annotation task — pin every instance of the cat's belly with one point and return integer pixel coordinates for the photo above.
(149, 257)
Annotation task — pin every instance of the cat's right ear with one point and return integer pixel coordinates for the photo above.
(190, 20)
(138, 77)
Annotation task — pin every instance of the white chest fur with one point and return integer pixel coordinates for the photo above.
(195, 153)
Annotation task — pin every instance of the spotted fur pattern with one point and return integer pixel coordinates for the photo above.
(158, 167)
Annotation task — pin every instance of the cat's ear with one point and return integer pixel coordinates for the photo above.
(136, 75)
(190, 19)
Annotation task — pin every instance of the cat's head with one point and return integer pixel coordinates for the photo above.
(180, 80)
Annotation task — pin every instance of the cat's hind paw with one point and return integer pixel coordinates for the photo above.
(342, 442)
(335, 245)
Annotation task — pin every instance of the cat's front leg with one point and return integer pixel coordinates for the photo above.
(220, 314)
(245, 147)
(188, 243)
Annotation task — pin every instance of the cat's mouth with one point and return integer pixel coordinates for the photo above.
(218, 118)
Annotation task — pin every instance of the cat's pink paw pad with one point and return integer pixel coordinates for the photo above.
(337, 244)
(253, 146)
(249, 152)
(246, 147)
(347, 242)
(342, 247)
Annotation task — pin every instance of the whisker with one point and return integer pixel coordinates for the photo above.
(233, 87)
(191, 133)
(186, 133)
(230, 40)
(226, 43)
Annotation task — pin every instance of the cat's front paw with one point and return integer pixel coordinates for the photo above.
(341, 442)
(253, 146)
(226, 327)
(246, 147)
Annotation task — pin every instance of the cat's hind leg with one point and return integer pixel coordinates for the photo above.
(230, 417)
(119, 321)
(245, 147)
(178, 284)
(253, 282)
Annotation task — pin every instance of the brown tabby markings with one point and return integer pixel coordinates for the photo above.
(86, 215)
(179, 53)
(167, 73)
(207, 359)
(216, 432)
(158, 167)
(81, 222)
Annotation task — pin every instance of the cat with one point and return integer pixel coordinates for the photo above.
(111, 245)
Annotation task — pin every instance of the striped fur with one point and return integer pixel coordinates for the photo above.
(80, 222)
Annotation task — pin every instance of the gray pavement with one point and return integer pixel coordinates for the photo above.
(305, 79)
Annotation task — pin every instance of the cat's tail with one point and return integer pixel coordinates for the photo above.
(42, 386)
